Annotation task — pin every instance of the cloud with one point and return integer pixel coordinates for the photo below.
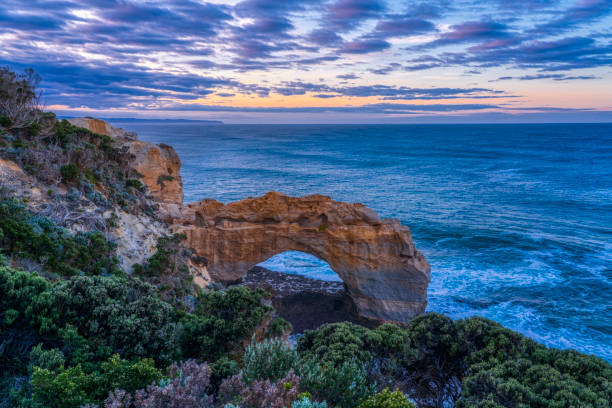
(555, 77)
(582, 12)
(402, 26)
(347, 14)
(472, 31)
(347, 76)
(364, 46)
(556, 55)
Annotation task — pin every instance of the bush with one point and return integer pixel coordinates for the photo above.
(19, 100)
(260, 393)
(343, 385)
(134, 183)
(336, 343)
(74, 387)
(25, 235)
(5, 121)
(269, 360)
(508, 369)
(305, 402)
(387, 399)
(187, 387)
(69, 172)
(221, 321)
(125, 316)
(165, 259)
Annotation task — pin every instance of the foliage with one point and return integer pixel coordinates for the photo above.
(125, 316)
(387, 399)
(164, 260)
(187, 387)
(260, 393)
(305, 402)
(69, 172)
(439, 364)
(268, 360)
(168, 270)
(336, 343)
(74, 386)
(222, 320)
(25, 235)
(507, 369)
(343, 385)
(54, 150)
(19, 100)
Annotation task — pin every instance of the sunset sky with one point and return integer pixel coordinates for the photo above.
(320, 61)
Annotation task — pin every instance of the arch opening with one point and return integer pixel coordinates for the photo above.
(301, 264)
(305, 290)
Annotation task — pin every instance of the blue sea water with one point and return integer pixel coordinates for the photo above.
(516, 220)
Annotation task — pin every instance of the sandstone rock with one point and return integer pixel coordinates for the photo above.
(102, 127)
(385, 275)
(159, 165)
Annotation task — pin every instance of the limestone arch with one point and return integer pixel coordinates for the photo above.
(384, 274)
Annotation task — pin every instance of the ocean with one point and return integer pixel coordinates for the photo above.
(515, 220)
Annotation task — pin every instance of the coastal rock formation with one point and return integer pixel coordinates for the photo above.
(383, 272)
(159, 165)
(102, 127)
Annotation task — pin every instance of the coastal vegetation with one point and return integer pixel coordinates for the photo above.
(78, 331)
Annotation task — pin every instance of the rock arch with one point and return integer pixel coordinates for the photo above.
(385, 275)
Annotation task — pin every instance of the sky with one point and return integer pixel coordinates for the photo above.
(317, 61)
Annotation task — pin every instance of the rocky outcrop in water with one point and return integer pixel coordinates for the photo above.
(383, 272)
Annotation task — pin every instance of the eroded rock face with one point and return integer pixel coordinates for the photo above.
(159, 165)
(385, 275)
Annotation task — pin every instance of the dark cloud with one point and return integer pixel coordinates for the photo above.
(555, 55)
(491, 33)
(324, 37)
(364, 46)
(382, 108)
(582, 12)
(384, 91)
(402, 26)
(347, 14)
(394, 66)
(347, 76)
(555, 77)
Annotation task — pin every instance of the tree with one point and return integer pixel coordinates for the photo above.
(19, 100)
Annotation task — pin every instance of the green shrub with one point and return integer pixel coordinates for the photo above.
(69, 172)
(343, 385)
(221, 321)
(5, 121)
(164, 260)
(387, 399)
(25, 235)
(73, 387)
(134, 183)
(125, 316)
(278, 328)
(268, 360)
(336, 343)
(504, 368)
(305, 402)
